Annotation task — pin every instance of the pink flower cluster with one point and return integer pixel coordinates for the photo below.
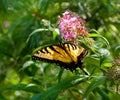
(71, 26)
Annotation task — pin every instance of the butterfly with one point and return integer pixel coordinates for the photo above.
(66, 55)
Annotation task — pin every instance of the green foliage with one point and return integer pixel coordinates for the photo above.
(95, 83)
(52, 92)
(29, 88)
(28, 24)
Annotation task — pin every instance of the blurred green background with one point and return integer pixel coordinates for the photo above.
(22, 79)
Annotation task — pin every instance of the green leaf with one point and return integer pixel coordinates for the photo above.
(36, 97)
(42, 5)
(2, 77)
(107, 64)
(117, 50)
(52, 93)
(29, 88)
(98, 35)
(60, 74)
(94, 84)
(104, 55)
(92, 60)
(114, 95)
(35, 31)
(3, 5)
(103, 94)
(2, 97)
(55, 32)
(27, 64)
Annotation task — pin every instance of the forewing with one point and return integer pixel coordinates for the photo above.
(53, 54)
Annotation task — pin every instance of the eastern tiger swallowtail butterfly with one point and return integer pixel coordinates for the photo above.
(66, 55)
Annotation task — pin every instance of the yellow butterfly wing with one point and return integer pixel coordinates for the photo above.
(74, 51)
(52, 53)
(66, 55)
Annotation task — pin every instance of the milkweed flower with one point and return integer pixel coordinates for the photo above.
(113, 73)
(71, 26)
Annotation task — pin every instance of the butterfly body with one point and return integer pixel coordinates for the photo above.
(66, 55)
